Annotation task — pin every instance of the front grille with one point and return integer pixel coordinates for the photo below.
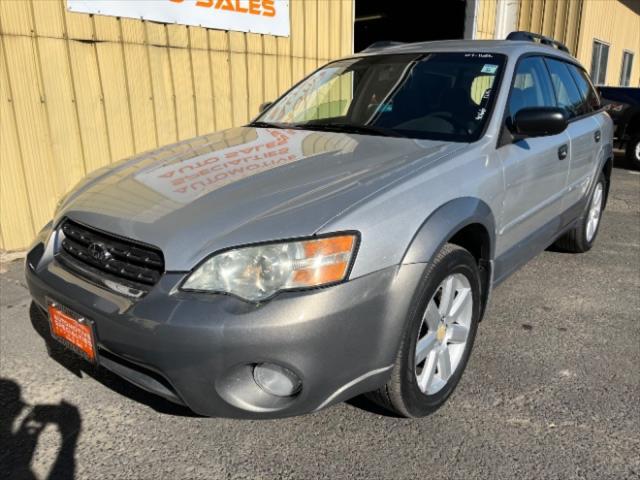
(122, 258)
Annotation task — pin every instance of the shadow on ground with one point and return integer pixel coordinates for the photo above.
(19, 444)
(620, 161)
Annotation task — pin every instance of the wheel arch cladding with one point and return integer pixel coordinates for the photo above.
(445, 223)
(467, 222)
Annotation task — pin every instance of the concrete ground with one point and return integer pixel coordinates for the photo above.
(552, 391)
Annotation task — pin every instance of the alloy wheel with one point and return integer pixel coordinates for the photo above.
(443, 333)
(595, 210)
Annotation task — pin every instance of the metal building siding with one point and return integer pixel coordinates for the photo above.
(486, 19)
(559, 19)
(577, 23)
(79, 92)
(616, 23)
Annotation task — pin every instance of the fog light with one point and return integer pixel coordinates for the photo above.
(276, 380)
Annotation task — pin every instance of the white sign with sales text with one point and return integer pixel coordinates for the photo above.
(270, 17)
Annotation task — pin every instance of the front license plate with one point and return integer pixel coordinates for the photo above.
(73, 331)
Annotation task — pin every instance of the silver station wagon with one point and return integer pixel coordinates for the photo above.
(345, 242)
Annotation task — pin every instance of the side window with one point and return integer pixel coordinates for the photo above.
(567, 94)
(531, 86)
(585, 86)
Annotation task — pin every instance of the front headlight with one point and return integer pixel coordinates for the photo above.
(259, 272)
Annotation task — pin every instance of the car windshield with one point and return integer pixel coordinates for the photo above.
(439, 96)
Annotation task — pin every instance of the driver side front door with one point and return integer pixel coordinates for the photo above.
(535, 175)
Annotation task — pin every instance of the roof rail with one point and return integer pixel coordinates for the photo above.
(535, 37)
(381, 45)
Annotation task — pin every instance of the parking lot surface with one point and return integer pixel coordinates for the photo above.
(552, 390)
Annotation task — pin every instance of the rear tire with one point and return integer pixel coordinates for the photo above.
(633, 151)
(438, 337)
(582, 237)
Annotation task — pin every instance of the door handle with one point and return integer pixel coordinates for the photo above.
(562, 152)
(596, 136)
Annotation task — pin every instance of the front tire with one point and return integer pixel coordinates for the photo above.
(438, 338)
(582, 237)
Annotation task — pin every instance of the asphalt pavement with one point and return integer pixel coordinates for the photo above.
(552, 390)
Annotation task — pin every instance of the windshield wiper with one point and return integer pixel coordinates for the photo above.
(271, 125)
(351, 128)
(332, 127)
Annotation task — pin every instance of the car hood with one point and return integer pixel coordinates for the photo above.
(242, 186)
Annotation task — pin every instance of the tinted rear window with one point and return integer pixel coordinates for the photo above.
(567, 93)
(585, 86)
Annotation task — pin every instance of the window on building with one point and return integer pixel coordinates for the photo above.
(599, 59)
(625, 71)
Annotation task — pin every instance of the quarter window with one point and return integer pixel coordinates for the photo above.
(625, 71)
(531, 86)
(599, 59)
(567, 94)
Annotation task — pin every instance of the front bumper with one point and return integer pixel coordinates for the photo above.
(199, 349)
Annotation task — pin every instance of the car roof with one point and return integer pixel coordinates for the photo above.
(510, 48)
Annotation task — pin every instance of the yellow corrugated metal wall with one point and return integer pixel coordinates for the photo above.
(78, 92)
(577, 23)
(616, 23)
(486, 19)
(559, 19)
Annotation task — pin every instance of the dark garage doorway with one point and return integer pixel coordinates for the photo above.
(407, 21)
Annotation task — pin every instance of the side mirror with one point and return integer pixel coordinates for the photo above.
(264, 106)
(538, 122)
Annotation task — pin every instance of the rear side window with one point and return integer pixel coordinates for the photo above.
(585, 86)
(531, 86)
(567, 94)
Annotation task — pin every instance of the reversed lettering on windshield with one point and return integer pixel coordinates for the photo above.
(478, 55)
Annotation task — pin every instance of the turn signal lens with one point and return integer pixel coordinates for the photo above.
(256, 273)
(326, 261)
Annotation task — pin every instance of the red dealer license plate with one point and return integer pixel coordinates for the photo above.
(72, 331)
